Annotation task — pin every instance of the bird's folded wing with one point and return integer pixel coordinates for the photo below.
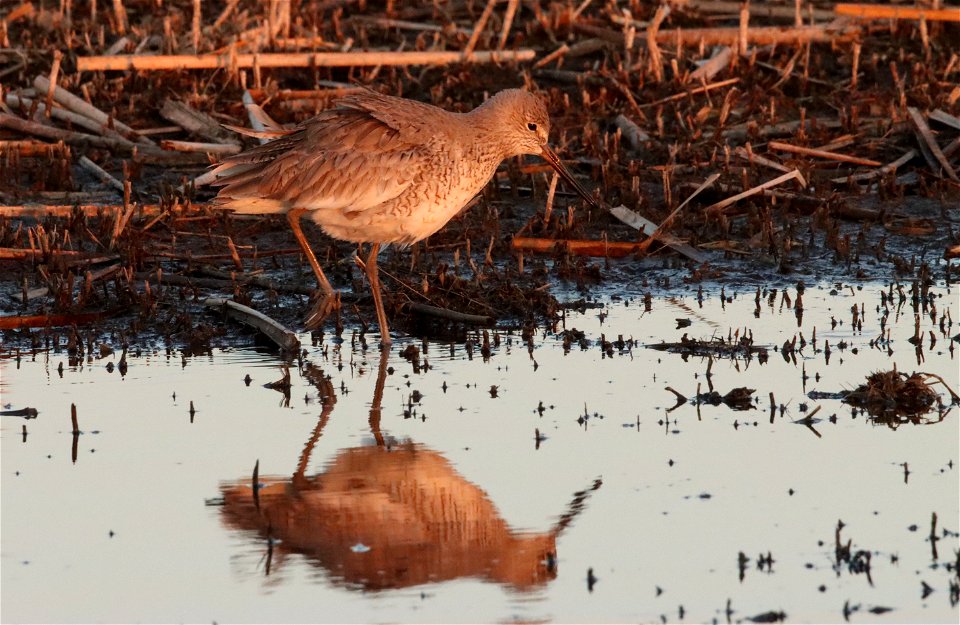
(344, 159)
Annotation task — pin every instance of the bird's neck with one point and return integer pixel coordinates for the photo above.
(487, 121)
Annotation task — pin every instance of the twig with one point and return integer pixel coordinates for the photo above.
(876, 173)
(659, 232)
(58, 134)
(752, 157)
(180, 62)
(194, 121)
(715, 65)
(100, 173)
(478, 30)
(78, 105)
(722, 204)
(38, 321)
(833, 156)
(927, 136)
(273, 330)
(69, 116)
(634, 135)
(507, 22)
(887, 12)
(195, 146)
(450, 315)
(703, 89)
(647, 227)
(610, 249)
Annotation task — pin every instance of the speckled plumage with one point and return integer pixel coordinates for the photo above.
(380, 169)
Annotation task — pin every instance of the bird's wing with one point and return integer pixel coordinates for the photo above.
(345, 158)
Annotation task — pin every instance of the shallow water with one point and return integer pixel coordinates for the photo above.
(444, 506)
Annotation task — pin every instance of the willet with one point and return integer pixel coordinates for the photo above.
(379, 169)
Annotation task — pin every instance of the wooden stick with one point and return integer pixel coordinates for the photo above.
(78, 105)
(760, 160)
(756, 9)
(876, 173)
(273, 330)
(928, 138)
(833, 156)
(192, 120)
(40, 211)
(611, 249)
(647, 227)
(945, 118)
(655, 62)
(714, 66)
(69, 116)
(634, 135)
(703, 89)
(196, 146)
(887, 12)
(450, 315)
(659, 232)
(507, 22)
(57, 134)
(100, 173)
(303, 59)
(31, 148)
(730, 36)
(54, 74)
(39, 321)
(722, 204)
(478, 29)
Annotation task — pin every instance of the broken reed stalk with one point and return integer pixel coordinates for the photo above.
(833, 156)
(716, 209)
(931, 142)
(66, 115)
(730, 36)
(180, 62)
(82, 107)
(885, 12)
(478, 29)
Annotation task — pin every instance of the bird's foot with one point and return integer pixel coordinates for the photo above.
(322, 305)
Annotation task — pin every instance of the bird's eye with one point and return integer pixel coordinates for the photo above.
(532, 126)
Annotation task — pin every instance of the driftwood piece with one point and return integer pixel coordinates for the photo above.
(449, 315)
(180, 62)
(273, 330)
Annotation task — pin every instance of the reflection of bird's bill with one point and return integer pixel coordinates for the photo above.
(551, 157)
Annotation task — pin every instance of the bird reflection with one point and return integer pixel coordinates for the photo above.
(390, 516)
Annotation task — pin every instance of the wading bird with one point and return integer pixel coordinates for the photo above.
(379, 169)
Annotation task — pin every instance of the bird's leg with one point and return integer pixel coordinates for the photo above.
(373, 275)
(329, 301)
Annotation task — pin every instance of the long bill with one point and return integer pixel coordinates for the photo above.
(551, 157)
